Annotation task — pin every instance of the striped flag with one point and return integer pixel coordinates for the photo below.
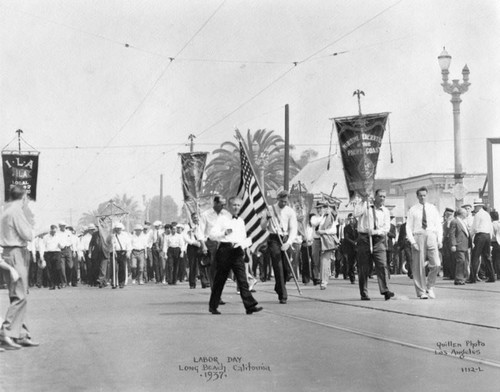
(253, 202)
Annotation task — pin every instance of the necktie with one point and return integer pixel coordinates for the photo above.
(424, 218)
(374, 219)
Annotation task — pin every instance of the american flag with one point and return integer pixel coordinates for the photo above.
(253, 202)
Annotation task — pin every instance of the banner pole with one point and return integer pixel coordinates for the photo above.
(240, 139)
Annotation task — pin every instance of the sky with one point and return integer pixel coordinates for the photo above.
(109, 91)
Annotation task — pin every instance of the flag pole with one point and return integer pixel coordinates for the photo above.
(273, 222)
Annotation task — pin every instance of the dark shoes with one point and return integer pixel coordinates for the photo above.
(254, 309)
(221, 302)
(26, 342)
(213, 311)
(388, 295)
(283, 301)
(365, 298)
(8, 343)
(459, 283)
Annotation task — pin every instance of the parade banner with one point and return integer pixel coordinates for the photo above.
(193, 167)
(20, 169)
(360, 139)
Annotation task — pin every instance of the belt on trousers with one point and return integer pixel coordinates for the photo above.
(137, 250)
(13, 247)
(225, 245)
(375, 236)
(121, 251)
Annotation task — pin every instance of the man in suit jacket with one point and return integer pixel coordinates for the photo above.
(461, 242)
(448, 264)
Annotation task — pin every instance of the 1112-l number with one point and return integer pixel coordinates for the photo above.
(472, 369)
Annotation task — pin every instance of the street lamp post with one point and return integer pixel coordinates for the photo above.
(455, 89)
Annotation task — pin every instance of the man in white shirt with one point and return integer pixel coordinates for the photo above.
(138, 244)
(374, 222)
(194, 252)
(172, 247)
(209, 219)
(156, 241)
(481, 232)
(123, 249)
(282, 226)
(52, 255)
(231, 234)
(425, 233)
(66, 254)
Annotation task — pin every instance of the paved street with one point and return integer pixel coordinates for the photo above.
(162, 338)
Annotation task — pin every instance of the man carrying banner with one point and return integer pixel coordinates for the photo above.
(374, 223)
(231, 234)
(281, 222)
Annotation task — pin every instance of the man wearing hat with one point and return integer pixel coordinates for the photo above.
(156, 242)
(138, 244)
(282, 226)
(481, 232)
(460, 244)
(123, 249)
(52, 256)
(66, 254)
(446, 255)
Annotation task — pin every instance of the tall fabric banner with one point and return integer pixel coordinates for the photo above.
(253, 203)
(20, 169)
(193, 167)
(360, 139)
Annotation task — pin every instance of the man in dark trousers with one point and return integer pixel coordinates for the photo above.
(230, 232)
(373, 225)
(349, 245)
(404, 250)
(460, 244)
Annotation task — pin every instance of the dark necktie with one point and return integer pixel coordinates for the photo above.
(424, 218)
(374, 219)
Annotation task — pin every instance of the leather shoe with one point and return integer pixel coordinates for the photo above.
(490, 281)
(254, 309)
(213, 311)
(27, 342)
(459, 283)
(221, 302)
(388, 295)
(9, 344)
(282, 301)
(365, 298)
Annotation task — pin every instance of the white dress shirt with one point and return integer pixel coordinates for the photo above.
(52, 243)
(122, 241)
(209, 219)
(414, 222)
(364, 216)
(481, 223)
(138, 242)
(283, 222)
(237, 237)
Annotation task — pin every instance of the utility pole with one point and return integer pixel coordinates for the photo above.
(19, 131)
(161, 195)
(359, 93)
(191, 142)
(287, 149)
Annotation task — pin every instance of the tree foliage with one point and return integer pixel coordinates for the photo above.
(266, 154)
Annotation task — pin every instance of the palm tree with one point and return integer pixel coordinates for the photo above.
(88, 217)
(132, 207)
(266, 154)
